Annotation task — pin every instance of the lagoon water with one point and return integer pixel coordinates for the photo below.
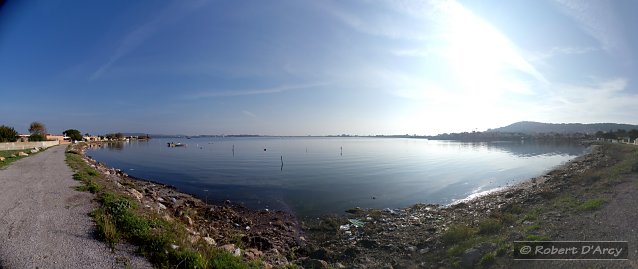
(328, 175)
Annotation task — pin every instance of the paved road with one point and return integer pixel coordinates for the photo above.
(44, 222)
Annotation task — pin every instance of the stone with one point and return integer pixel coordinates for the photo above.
(237, 252)
(22, 154)
(34, 151)
(228, 247)
(138, 195)
(189, 220)
(2, 159)
(210, 241)
(316, 264)
(161, 206)
(470, 257)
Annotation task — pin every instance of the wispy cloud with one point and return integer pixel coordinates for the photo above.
(558, 51)
(173, 12)
(378, 23)
(605, 100)
(249, 114)
(597, 19)
(273, 90)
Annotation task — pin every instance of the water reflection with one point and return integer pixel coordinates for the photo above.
(115, 145)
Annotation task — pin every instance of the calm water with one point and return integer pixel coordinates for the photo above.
(329, 175)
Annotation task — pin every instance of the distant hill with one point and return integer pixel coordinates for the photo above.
(531, 127)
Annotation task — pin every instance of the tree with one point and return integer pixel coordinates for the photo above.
(8, 134)
(74, 134)
(37, 128)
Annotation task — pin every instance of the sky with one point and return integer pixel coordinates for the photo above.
(322, 67)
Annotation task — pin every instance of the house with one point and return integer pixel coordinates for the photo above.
(62, 138)
(23, 138)
(91, 138)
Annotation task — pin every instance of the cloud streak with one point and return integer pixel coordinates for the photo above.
(597, 19)
(135, 38)
(273, 90)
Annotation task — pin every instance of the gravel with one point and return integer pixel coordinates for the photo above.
(44, 222)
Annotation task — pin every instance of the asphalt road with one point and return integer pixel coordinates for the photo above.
(44, 222)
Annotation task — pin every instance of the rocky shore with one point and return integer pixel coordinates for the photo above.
(363, 238)
(270, 236)
(416, 236)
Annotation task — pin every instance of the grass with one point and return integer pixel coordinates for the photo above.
(8, 159)
(591, 204)
(457, 233)
(487, 259)
(489, 226)
(120, 218)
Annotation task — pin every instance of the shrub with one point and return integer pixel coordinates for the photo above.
(8, 134)
(457, 233)
(36, 137)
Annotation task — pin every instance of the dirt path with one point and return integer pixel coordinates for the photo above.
(44, 222)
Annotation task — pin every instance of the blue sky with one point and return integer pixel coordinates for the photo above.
(315, 67)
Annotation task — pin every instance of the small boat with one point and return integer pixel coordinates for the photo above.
(173, 144)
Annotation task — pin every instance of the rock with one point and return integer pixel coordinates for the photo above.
(316, 264)
(339, 265)
(1, 159)
(161, 206)
(355, 210)
(138, 195)
(228, 247)
(22, 154)
(252, 253)
(34, 151)
(237, 252)
(470, 257)
(321, 254)
(174, 247)
(367, 243)
(411, 248)
(189, 220)
(210, 241)
(260, 243)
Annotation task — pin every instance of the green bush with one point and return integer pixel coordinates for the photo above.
(8, 134)
(37, 137)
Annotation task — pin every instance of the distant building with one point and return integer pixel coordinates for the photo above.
(91, 138)
(62, 138)
(23, 138)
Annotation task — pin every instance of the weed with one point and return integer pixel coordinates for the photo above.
(457, 233)
(489, 226)
(535, 237)
(591, 204)
(487, 259)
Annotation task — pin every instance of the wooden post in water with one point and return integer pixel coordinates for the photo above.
(282, 163)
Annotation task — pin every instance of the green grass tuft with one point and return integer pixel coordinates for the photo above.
(457, 233)
(489, 226)
(591, 204)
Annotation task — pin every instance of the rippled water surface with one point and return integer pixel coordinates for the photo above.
(329, 175)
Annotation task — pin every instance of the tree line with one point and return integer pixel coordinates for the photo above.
(618, 134)
(38, 132)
